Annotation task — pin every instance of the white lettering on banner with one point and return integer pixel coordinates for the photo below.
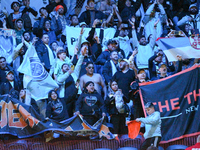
(195, 148)
(191, 109)
(72, 35)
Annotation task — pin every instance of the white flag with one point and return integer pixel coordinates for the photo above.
(36, 78)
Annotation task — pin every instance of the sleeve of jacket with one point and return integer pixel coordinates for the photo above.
(10, 22)
(31, 10)
(39, 50)
(79, 103)
(108, 100)
(48, 110)
(35, 106)
(147, 18)
(82, 18)
(58, 29)
(106, 70)
(15, 53)
(154, 119)
(163, 14)
(78, 66)
(151, 70)
(135, 40)
(153, 39)
(101, 59)
(102, 105)
(91, 35)
(97, 53)
(61, 78)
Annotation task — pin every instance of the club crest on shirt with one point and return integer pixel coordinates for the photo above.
(195, 41)
(37, 69)
(90, 100)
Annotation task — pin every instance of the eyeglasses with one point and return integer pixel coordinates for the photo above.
(90, 67)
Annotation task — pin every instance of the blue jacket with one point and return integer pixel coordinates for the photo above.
(43, 55)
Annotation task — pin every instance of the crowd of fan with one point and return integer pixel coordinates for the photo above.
(92, 82)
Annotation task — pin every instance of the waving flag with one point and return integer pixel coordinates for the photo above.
(177, 98)
(36, 78)
(184, 46)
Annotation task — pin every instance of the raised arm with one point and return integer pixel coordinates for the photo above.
(147, 18)
(80, 61)
(134, 36)
(152, 41)
(163, 13)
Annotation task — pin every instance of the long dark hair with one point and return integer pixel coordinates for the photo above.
(49, 95)
(86, 84)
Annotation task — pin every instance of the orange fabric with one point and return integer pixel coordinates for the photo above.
(133, 129)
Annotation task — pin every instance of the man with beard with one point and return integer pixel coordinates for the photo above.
(110, 67)
(145, 49)
(19, 30)
(60, 17)
(105, 55)
(192, 18)
(94, 77)
(124, 77)
(164, 71)
(5, 67)
(68, 81)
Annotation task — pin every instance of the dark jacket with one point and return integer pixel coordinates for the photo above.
(127, 13)
(43, 55)
(39, 24)
(137, 109)
(105, 56)
(93, 44)
(90, 104)
(3, 74)
(85, 16)
(6, 88)
(111, 107)
(124, 80)
(153, 72)
(107, 71)
(11, 21)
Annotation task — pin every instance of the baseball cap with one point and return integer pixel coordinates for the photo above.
(111, 41)
(7, 72)
(126, 60)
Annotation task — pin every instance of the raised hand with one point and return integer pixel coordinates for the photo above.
(135, 51)
(155, 24)
(179, 57)
(84, 50)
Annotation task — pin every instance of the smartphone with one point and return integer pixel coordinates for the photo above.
(72, 67)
